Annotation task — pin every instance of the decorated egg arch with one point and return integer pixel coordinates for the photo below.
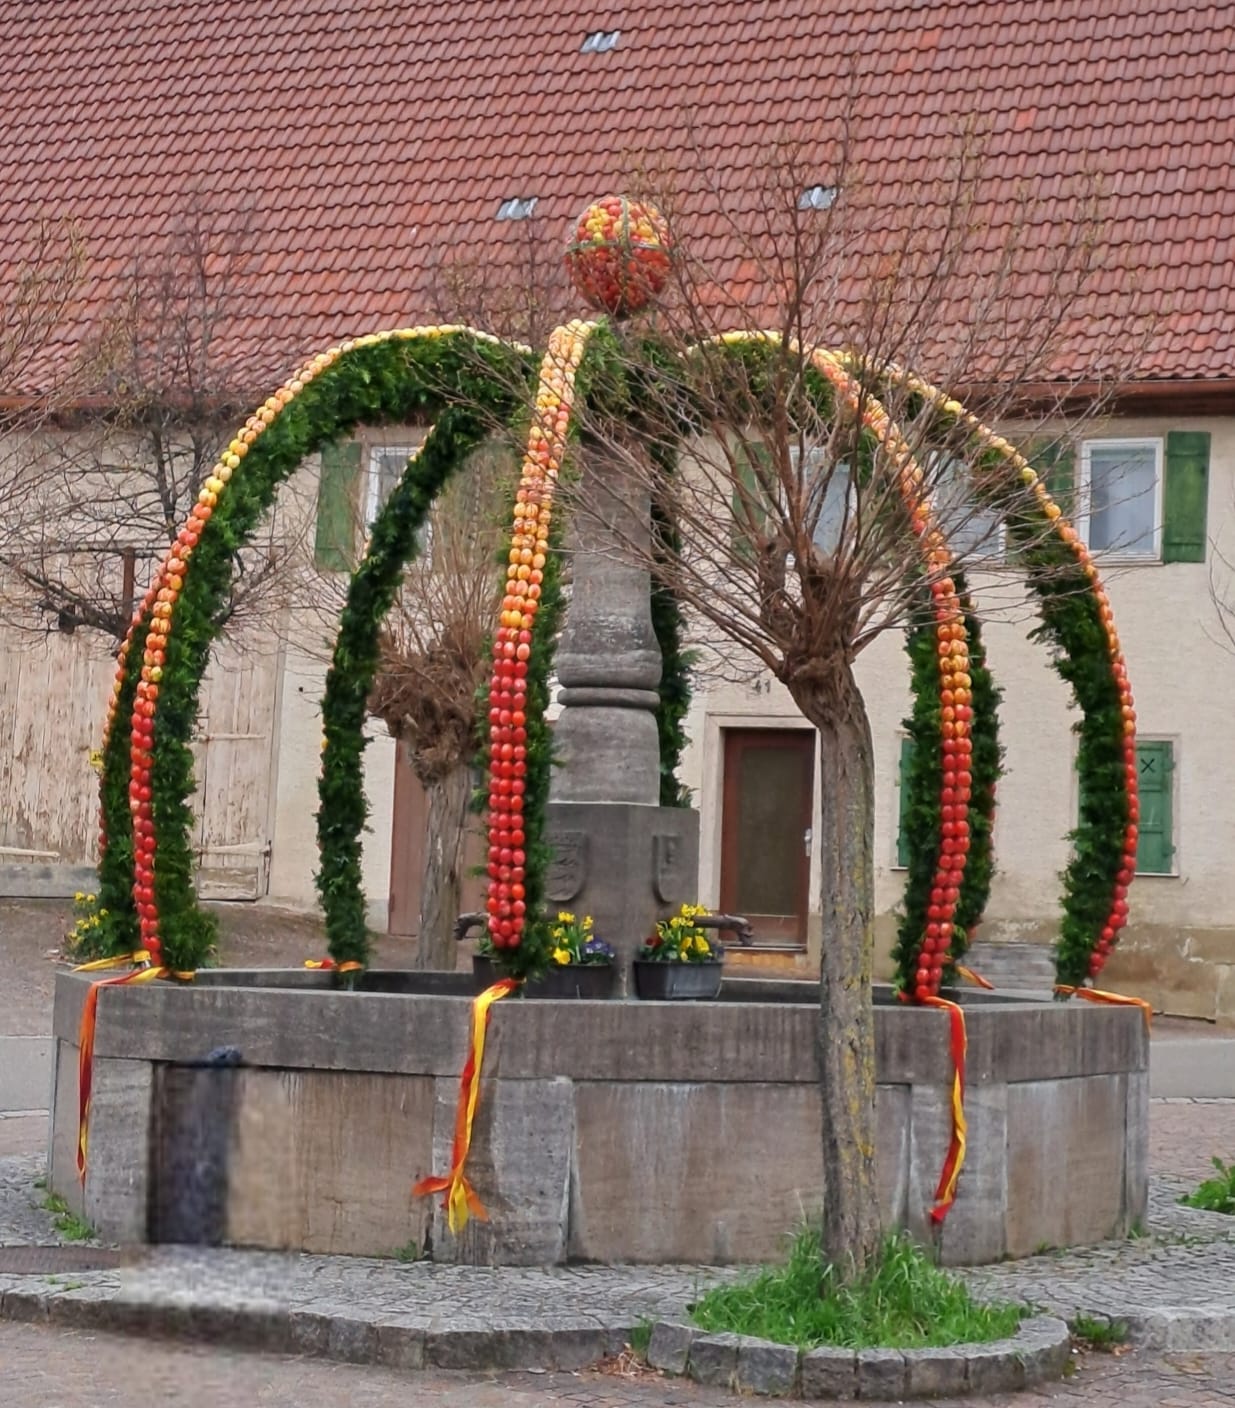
(459, 380)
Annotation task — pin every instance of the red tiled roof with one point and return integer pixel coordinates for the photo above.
(374, 137)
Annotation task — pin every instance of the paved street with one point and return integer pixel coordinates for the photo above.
(44, 1368)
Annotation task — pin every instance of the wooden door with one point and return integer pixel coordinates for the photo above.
(765, 830)
(409, 823)
(233, 765)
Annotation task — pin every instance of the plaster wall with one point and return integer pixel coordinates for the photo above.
(1180, 948)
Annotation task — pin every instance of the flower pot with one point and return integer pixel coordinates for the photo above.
(683, 982)
(594, 980)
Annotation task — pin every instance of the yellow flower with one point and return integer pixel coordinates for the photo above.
(90, 899)
(561, 955)
(79, 897)
(564, 916)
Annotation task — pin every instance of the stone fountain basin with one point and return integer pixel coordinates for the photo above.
(618, 1131)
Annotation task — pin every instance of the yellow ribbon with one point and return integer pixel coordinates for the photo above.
(461, 1199)
(976, 979)
(945, 1193)
(1114, 999)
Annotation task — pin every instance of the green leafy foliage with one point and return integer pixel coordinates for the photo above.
(923, 782)
(986, 768)
(1072, 627)
(1106, 1336)
(1215, 1194)
(902, 1301)
(395, 381)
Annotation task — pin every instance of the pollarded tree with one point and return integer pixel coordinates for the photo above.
(434, 652)
(829, 497)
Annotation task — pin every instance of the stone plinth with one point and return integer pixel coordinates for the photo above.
(345, 1099)
(625, 865)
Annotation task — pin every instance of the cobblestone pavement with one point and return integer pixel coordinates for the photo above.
(22, 1132)
(54, 1368)
(1185, 1135)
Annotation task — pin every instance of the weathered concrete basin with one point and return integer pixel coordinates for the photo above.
(607, 1131)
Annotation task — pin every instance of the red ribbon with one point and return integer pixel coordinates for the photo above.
(945, 1193)
(460, 1199)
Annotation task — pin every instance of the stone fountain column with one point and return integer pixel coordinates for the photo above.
(618, 854)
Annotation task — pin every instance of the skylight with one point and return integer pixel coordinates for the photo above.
(600, 41)
(817, 198)
(517, 208)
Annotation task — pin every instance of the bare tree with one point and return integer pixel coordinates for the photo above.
(35, 376)
(434, 652)
(110, 479)
(792, 507)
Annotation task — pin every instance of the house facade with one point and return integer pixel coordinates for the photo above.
(394, 168)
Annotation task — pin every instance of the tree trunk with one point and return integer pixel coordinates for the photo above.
(846, 1041)
(442, 886)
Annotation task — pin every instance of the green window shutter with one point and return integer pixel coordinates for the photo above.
(1185, 496)
(752, 463)
(902, 841)
(338, 500)
(1056, 463)
(1155, 767)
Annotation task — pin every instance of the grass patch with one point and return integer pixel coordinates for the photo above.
(641, 1337)
(1104, 1335)
(71, 1227)
(903, 1302)
(1216, 1194)
(410, 1251)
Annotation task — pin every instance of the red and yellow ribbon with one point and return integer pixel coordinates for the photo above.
(1114, 999)
(976, 980)
(144, 973)
(461, 1200)
(329, 965)
(945, 1193)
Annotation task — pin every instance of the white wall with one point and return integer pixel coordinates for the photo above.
(1183, 678)
(294, 854)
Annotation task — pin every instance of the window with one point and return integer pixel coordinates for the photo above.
(517, 208)
(970, 529)
(600, 41)
(832, 509)
(902, 804)
(1155, 774)
(817, 198)
(1120, 493)
(386, 466)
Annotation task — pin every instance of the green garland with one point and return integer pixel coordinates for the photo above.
(392, 381)
(118, 931)
(1072, 626)
(532, 955)
(986, 768)
(922, 784)
(1073, 630)
(371, 592)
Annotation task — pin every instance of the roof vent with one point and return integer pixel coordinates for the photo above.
(817, 198)
(517, 208)
(600, 41)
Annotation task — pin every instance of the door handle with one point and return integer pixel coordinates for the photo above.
(807, 836)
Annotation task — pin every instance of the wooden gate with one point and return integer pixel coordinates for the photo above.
(53, 694)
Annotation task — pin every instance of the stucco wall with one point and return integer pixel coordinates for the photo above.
(1180, 949)
(294, 851)
(1183, 676)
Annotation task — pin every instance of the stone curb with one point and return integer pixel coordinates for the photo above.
(389, 1339)
(1175, 1328)
(1037, 1353)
